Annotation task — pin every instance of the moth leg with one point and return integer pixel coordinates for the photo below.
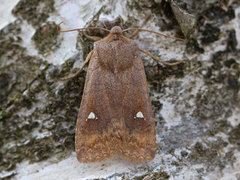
(135, 33)
(80, 70)
(93, 38)
(157, 60)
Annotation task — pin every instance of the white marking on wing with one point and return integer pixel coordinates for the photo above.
(140, 115)
(91, 116)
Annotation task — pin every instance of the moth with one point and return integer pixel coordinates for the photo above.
(115, 115)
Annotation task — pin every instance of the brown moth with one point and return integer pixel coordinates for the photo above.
(115, 115)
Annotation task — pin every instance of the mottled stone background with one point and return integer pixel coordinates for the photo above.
(196, 104)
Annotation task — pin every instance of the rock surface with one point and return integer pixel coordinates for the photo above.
(196, 104)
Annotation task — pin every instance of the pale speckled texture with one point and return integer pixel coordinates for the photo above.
(5, 12)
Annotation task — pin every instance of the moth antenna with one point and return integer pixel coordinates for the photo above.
(135, 33)
(158, 33)
(79, 29)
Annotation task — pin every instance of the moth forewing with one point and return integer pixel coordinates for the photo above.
(115, 115)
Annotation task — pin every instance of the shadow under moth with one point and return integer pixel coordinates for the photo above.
(115, 115)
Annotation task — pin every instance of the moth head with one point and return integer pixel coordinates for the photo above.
(116, 30)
